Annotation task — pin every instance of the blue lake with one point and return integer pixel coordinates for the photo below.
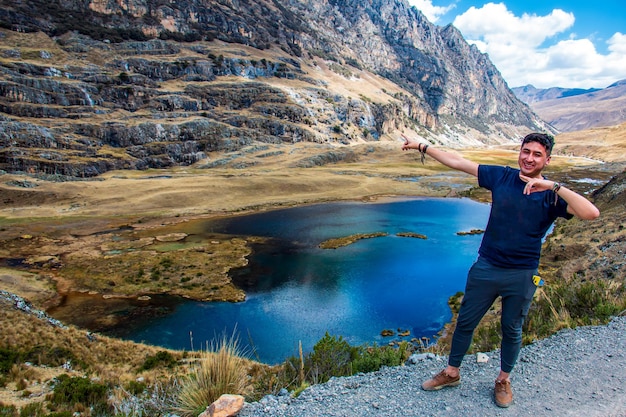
(296, 292)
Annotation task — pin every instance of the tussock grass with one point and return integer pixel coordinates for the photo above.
(221, 369)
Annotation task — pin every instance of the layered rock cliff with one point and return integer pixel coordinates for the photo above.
(90, 86)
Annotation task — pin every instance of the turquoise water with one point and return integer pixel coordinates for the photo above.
(296, 292)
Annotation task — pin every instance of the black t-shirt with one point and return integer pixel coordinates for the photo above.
(517, 222)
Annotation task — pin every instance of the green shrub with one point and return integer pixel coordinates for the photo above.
(166, 263)
(455, 302)
(570, 304)
(331, 356)
(162, 358)
(50, 356)
(8, 411)
(268, 380)
(155, 273)
(76, 390)
(33, 410)
(8, 357)
(605, 310)
(371, 359)
(589, 303)
(486, 337)
(354, 63)
(135, 387)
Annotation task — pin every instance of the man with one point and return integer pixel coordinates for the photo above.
(524, 206)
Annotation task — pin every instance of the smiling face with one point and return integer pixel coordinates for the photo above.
(533, 157)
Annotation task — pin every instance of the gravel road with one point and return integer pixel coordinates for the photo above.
(579, 372)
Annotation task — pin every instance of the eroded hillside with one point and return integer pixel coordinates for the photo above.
(147, 86)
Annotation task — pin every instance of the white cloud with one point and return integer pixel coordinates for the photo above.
(615, 62)
(495, 24)
(525, 48)
(520, 48)
(432, 13)
(617, 44)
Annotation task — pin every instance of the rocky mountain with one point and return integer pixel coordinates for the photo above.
(571, 109)
(93, 85)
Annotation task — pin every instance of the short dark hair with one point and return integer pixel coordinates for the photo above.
(542, 138)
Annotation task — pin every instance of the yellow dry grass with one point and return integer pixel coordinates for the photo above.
(606, 144)
(268, 182)
(106, 358)
(600, 145)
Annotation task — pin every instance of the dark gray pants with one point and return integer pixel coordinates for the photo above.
(485, 282)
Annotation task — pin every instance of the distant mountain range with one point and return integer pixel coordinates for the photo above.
(573, 109)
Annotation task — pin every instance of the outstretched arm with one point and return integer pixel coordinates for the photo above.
(448, 159)
(577, 205)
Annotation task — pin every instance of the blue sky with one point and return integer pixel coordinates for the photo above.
(550, 43)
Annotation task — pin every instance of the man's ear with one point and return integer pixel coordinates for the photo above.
(548, 160)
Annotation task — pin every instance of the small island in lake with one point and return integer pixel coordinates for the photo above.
(412, 234)
(471, 232)
(348, 240)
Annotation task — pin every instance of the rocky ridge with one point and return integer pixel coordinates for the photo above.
(87, 87)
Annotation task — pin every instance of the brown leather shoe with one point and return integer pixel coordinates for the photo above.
(503, 393)
(441, 380)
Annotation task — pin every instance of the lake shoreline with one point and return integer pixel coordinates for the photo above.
(294, 285)
(89, 305)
